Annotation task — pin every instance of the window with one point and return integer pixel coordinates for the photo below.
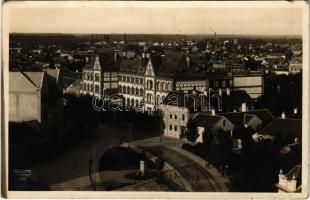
(183, 117)
(141, 80)
(170, 116)
(175, 128)
(170, 127)
(137, 80)
(175, 117)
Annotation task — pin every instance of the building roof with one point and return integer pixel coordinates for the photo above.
(205, 120)
(26, 81)
(238, 118)
(133, 66)
(107, 61)
(288, 129)
(295, 172)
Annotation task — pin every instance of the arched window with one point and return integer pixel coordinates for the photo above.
(183, 117)
(157, 85)
(124, 89)
(128, 102)
(132, 102)
(141, 91)
(128, 90)
(164, 86)
(168, 86)
(91, 87)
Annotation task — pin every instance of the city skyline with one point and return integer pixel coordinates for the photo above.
(116, 19)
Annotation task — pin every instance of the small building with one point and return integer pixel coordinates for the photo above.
(295, 65)
(255, 119)
(35, 98)
(211, 122)
(291, 181)
(176, 110)
(283, 130)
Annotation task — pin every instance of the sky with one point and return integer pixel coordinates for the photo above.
(156, 20)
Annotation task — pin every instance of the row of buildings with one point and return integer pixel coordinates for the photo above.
(145, 81)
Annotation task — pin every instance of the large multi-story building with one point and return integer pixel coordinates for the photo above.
(100, 75)
(146, 79)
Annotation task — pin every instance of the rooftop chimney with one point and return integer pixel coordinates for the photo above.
(295, 111)
(283, 115)
(213, 111)
(228, 91)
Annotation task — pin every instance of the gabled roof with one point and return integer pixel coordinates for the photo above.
(133, 66)
(237, 118)
(205, 120)
(25, 81)
(295, 172)
(284, 128)
(106, 60)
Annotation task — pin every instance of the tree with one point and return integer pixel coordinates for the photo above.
(191, 133)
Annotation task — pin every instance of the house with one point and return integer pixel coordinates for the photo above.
(255, 119)
(100, 75)
(35, 98)
(295, 65)
(211, 122)
(291, 181)
(176, 110)
(283, 131)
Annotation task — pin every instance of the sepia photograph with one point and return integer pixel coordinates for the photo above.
(155, 99)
